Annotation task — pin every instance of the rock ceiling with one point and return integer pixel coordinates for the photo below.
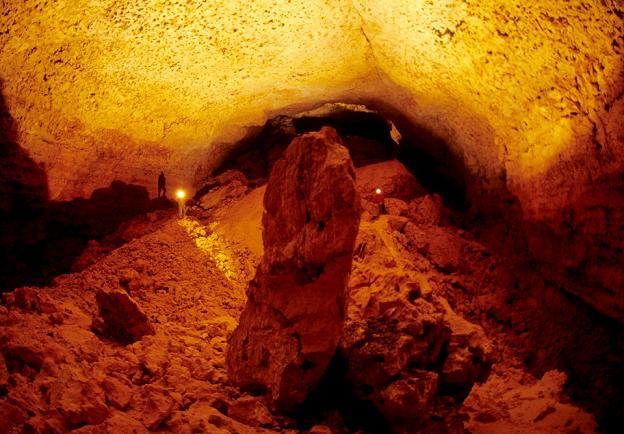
(524, 92)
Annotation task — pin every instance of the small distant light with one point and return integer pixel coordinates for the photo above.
(378, 191)
(180, 194)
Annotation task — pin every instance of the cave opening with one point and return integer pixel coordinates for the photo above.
(371, 134)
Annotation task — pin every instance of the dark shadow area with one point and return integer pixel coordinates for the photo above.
(580, 253)
(364, 133)
(436, 173)
(72, 224)
(24, 202)
(441, 169)
(434, 165)
(334, 403)
(572, 337)
(66, 228)
(39, 238)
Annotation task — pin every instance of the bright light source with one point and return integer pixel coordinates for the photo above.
(378, 191)
(180, 194)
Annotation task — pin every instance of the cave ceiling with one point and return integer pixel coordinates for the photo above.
(523, 92)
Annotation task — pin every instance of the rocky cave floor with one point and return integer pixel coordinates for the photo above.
(62, 372)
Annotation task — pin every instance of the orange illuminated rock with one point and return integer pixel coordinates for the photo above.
(123, 319)
(512, 401)
(391, 177)
(79, 402)
(293, 319)
(427, 209)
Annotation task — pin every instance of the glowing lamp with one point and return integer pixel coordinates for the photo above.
(180, 194)
(378, 191)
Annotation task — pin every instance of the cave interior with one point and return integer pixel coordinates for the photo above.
(398, 217)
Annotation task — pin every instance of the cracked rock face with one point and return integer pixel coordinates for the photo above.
(294, 317)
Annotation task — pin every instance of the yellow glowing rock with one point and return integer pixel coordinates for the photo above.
(512, 85)
(107, 89)
(134, 86)
(217, 249)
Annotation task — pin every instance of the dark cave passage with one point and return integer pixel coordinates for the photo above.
(371, 137)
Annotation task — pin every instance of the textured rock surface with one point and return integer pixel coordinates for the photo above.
(178, 376)
(394, 180)
(293, 319)
(123, 319)
(512, 86)
(57, 376)
(527, 96)
(220, 190)
(427, 209)
(126, 89)
(407, 351)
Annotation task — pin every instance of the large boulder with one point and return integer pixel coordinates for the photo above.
(122, 318)
(427, 210)
(394, 180)
(294, 315)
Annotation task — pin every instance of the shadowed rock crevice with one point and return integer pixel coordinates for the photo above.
(23, 205)
(334, 401)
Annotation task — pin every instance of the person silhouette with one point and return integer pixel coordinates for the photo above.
(162, 185)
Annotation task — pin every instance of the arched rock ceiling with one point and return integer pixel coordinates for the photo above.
(523, 91)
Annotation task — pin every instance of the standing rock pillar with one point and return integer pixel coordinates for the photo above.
(294, 316)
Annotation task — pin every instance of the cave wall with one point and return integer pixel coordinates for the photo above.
(527, 95)
(524, 90)
(117, 90)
